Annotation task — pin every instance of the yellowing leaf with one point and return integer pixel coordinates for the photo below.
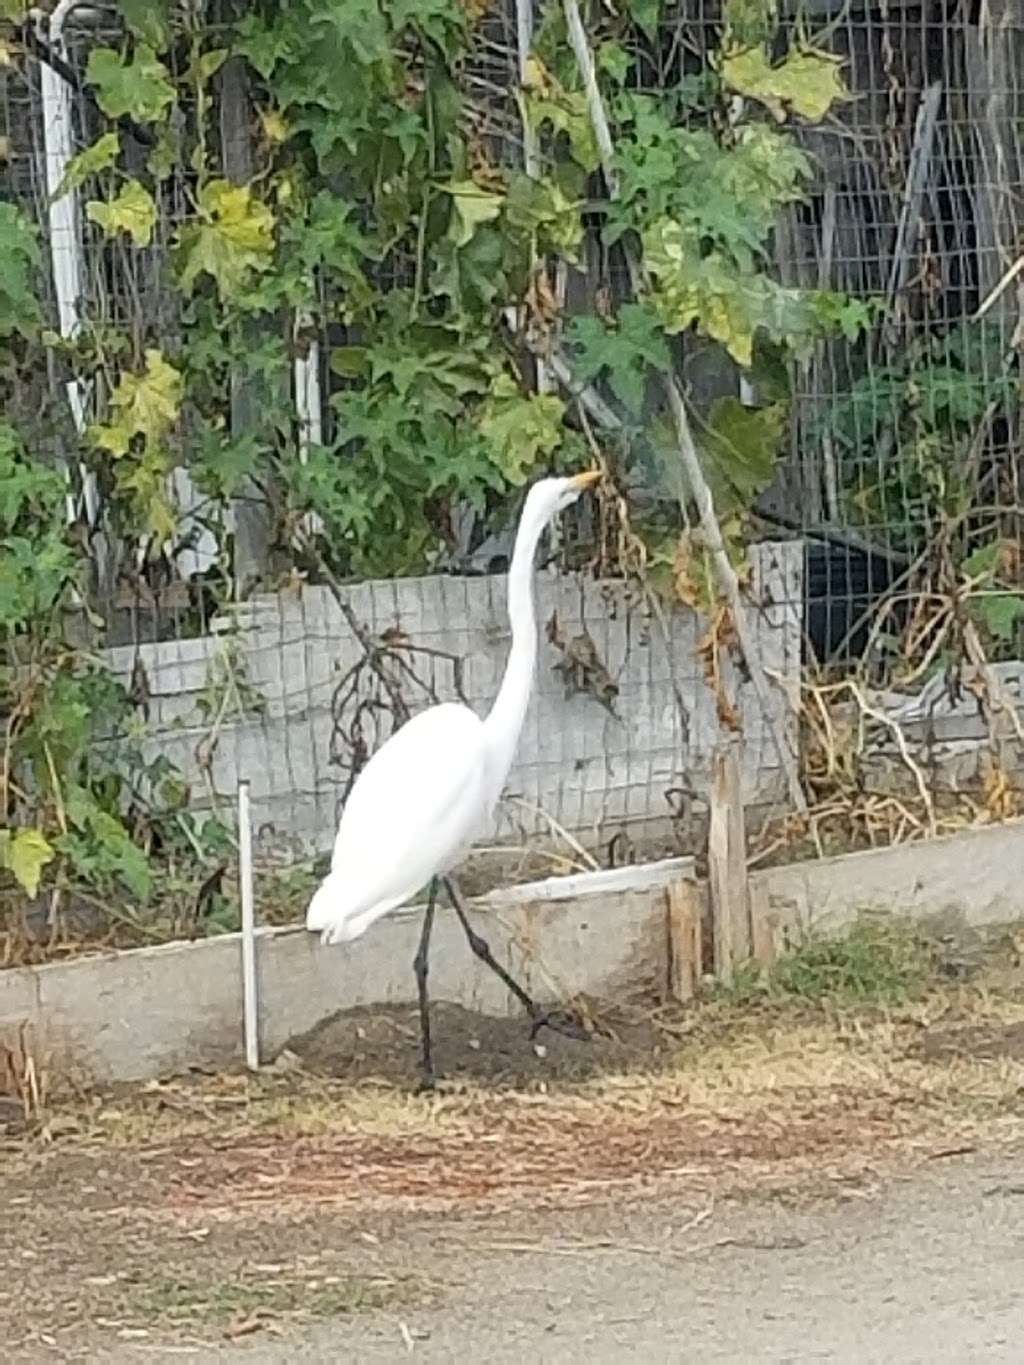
(473, 206)
(728, 305)
(520, 430)
(147, 482)
(132, 211)
(99, 157)
(567, 112)
(211, 62)
(234, 238)
(275, 125)
(808, 82)
(146, 405)
(24, 853)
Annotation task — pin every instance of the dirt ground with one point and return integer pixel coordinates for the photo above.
(751, 1180)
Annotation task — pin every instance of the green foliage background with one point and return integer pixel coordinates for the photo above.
(382, 206)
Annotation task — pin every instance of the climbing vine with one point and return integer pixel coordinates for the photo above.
(374, 204)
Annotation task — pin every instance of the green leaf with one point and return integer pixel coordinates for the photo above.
(139, 88)
(133, 211)
(473, 206)
(985, 561)
(24, 853)
(748, 21)
(146, 405)
(808, 82)
(19, 261)
(539, 208)
(547, 101)
(622, 353)
(149, 21)
(1001, 615)
(234, 239)
(742, 446)
(521, 431)
(99, 157)
(211, 62)
(645, 14)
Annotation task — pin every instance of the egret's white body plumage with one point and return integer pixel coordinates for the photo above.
(430, 791)
(426, 778)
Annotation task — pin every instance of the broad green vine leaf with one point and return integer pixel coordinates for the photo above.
(14, 10)
(138, 88)
(234, 239)
(132, 211)
(808, 82)
(24, 853)
(473, 206)
(19, 260)
(99, 157)
(743, 445)
(521, 431)
(622, 354)
(147, 405)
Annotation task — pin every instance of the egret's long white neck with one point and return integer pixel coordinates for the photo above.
(505, 720)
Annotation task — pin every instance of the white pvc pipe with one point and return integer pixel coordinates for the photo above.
(308, 396)
(250, 1001)
(66, 248)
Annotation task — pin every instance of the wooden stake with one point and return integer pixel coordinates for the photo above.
(686, 900)
(727, 866)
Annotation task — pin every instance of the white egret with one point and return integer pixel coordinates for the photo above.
(430, 791)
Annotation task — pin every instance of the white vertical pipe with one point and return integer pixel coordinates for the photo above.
(63, 221)
(308, 396)
(250, 1002)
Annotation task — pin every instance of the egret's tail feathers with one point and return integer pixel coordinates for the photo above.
(337, 920)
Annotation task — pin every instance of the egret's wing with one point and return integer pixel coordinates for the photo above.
(416, 804)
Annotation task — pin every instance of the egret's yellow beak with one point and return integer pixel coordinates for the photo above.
(588, 479)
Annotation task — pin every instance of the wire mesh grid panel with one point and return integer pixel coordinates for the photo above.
(614, 756)
(901, 464)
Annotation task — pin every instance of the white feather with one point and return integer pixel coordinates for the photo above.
(430, 792)
(415, 808)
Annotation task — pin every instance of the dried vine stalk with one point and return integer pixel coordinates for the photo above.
(709, 523)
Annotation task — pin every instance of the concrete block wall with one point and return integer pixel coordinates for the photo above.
(947, 732)
(594, 773)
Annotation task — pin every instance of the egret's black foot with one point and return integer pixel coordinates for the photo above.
(427, 1085)
(560, 1021)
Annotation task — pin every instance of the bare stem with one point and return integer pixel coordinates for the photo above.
(710, 527)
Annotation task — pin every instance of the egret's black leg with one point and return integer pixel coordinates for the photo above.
(420, 966)
(558, 1020)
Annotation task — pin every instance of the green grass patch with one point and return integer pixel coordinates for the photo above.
(881, 962)
(181, 1300)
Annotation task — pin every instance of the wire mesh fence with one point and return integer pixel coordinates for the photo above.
(901, 462)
